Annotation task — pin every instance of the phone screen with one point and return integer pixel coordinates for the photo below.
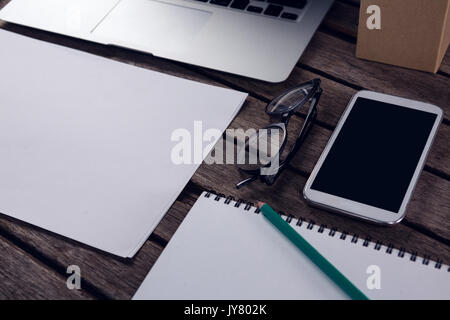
(374, 156)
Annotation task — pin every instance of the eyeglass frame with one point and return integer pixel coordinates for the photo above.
(312, 98)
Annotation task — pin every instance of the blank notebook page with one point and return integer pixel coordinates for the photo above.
(224, 252)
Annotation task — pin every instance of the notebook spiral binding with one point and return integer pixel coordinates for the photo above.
(366, 241)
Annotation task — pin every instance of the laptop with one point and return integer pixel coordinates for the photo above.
(261, 39)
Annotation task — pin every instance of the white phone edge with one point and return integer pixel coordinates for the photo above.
(357, 209)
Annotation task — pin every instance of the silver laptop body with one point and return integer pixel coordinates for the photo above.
(257, 39)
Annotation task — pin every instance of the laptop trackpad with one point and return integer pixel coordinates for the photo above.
(152, 26)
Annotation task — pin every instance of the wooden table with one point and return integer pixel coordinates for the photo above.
(33, 262)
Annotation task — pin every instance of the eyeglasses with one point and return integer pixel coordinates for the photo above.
(265, 154)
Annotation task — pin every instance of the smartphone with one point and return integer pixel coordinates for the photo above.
(373, 160)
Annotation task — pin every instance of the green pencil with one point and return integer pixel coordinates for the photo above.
(330, 270)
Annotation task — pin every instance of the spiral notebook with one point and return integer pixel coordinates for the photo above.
(227, 250)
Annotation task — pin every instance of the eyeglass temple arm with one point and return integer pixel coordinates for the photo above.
(307, 125)
(245, 182)
(310, 117)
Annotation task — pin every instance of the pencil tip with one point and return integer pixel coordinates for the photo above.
(260, 204)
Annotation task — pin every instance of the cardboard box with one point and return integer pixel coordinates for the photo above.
(413, 33)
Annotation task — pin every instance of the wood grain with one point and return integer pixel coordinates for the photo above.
(430, 207)
(108, 275)
(353, 2)
(445, 66)
(286, 196)
(425, 229)
(343, 18)
(332, 104)
(23, 277)
(336, 58)
(289, 201)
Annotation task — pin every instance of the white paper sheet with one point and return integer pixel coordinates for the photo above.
(223, 252)
(86, 141)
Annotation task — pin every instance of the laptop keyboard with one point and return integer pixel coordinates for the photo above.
(283, 9)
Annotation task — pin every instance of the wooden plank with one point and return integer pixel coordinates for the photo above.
(400, 235)
(338, 94)
(152, 63)
(343, 18)
(105, 271)
(24, 277)
(114, 277)
(445, 66)
(425, 211)
(111, 275)
(285, 195)
(178, 212)
(430, 206)
(336, 58)
(353, 2)
(332, 104)
(428, 214)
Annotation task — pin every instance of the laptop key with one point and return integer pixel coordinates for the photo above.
(298, 4)
(240, 4)
(254, 9)
(273, 10)
(289, 16)
(223, 3)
